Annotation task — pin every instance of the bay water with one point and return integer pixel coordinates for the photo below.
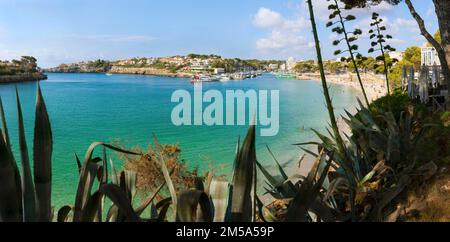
(127, 109)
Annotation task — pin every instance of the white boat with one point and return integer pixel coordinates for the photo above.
(109, 74)
(238, 76)
(224, 78)
(204, 78)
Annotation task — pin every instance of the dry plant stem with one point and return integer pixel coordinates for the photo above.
(352, 56)
(334, 126)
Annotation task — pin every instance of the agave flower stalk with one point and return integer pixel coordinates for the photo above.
(349, 38)
(346, 165)
(326, 92)
(380, 39)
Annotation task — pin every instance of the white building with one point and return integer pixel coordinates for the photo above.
(199, 65)
(273, 67)
(396, 55)
(219, 71)
(430, 57)
(290, 63)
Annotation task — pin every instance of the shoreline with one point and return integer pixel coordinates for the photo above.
(374, 86)
(25, 77)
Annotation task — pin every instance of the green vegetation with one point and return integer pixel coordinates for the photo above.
(395, 146)
(203, 57)
(306, 67)
(412, 57)
(27, 64)
(437, 37)
(25, 197)
(100, 65)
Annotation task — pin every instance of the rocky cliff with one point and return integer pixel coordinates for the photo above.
(24, 77)
(148, 71)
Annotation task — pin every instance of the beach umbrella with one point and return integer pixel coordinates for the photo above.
(423, 84)
(404, 77)
(435, 76)
(411, 82)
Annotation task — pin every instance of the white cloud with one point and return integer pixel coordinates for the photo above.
(266, 18)
(285, 35)
(408, 24)
(282, 40)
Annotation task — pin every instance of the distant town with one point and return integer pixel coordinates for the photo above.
(210, 67)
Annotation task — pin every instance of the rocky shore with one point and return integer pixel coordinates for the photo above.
(148, 71)
(24, 77)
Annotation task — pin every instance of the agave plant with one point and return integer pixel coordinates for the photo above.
(120, 190)
(381, 157)
(26, 197)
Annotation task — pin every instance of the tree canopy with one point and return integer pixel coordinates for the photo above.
(365, 3)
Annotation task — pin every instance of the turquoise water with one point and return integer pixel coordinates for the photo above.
(85, 108)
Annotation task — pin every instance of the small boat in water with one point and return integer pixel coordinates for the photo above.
(224, 78)
(109, 74)
(204, 78)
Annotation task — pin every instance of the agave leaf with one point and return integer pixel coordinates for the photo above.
(150, 199)
(243, 182)
(322, 211)
(280, 168)
(119, 198)
(153, 212)
(310, 152)
(308, 193)
(87, 177)
(10, 188)
(42, 154)
(63, 214)
(90, 174)
(4, 132)
(128, 183)
(388, 196)
(188, 202)
(270, 179)
(164, 208)
(105, 167)
(91, 210)
(199, 185)
(228, 214)
(114, 178)
(307, 143)
(166, 173)
(290, 187)
(327, 142)
(219, 195)
(28, 192)
(113, 214)
(284, 187)
(334, 185)
(78, 163)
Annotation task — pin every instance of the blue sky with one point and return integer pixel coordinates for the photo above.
(57, 31)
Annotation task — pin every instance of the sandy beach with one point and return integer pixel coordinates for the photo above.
(374, 85)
